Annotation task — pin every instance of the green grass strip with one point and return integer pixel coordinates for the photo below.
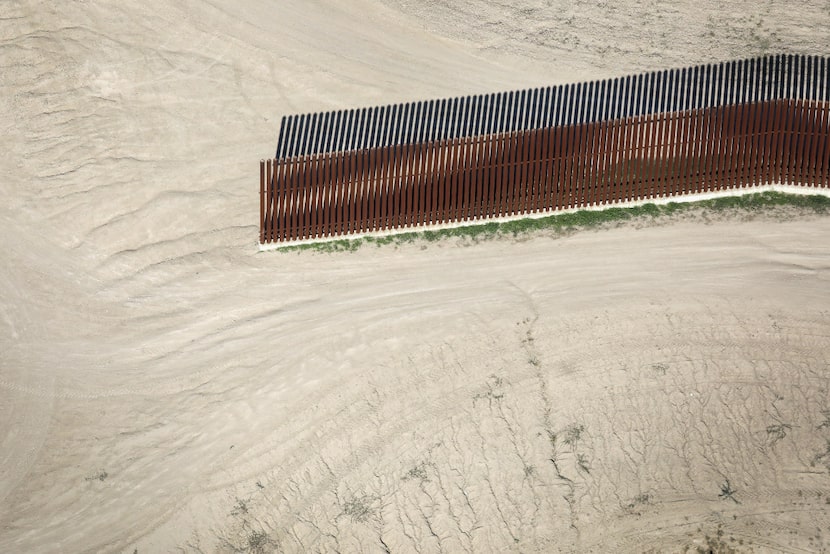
(583, 219)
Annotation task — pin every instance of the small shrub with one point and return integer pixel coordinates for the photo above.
(259, 543)
(240, 508)
(359, 509)
(573, 434)
(726, 491)
(418, 472)
(100, 476)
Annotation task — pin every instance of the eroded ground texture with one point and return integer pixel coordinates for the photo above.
(164, 387)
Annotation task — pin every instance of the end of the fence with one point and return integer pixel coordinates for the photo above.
(262, 201)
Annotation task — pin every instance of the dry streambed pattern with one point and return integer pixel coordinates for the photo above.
(665, 420)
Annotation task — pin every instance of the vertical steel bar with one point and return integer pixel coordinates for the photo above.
(568, 146)
(308, 196)
(586, 173)
(458, 181)
(498, 175)
(608, 147)
(587, 158)
(484, 143)
(622, 157)
(271, 199)
(617, 163)
(664, 132)
(262, 167)
(729, 143)
(718, 129)
(451, 189)
(429, 182)
(299, 197)
(788, 122)
(319, 195)
(799, 140)
(451, 186)
(536, 183)
(388, 189)
(282, 186)
(708, 147)
(611, 156)
(747, 146)
(470, 174)
(323, 191)
(689, 115)
(778, 140)
(506, 197)
(336, 201)
(402, 187)
(812, 140)
(495, 158)
(408, 176)
(438, 173)
(639, 186)
(280, 223)
(370, 191)
(329, 193)
(395, 185)
(678, 122)
(636, 136)
(767, 118)
(756, 142)
(419, 193)
(349, 164)
(668, 123)
(285, 223)
(823, 158)
(356, 208)
(650, 190)
(380, 188)
(823, 178)
(488, 150)
(272, 186)
(522, 181)
(375, 188)
(688, 151)
(535, 170)
(478, 162)
(441, 169)
(356, 190)
(732, 147)
(546, 176)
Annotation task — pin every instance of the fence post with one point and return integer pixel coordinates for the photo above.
(262, 201)
(823, 160)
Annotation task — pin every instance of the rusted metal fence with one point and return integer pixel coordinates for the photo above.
(598, 160)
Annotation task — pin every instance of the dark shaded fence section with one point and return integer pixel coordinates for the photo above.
(605, 160)
(763, 79)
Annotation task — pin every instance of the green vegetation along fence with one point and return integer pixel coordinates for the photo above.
(737, 140)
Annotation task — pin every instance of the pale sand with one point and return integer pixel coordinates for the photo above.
(166, 387)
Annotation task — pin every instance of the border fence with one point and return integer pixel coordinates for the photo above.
(659, 134)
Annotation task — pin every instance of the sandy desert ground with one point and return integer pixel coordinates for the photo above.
(165, 387)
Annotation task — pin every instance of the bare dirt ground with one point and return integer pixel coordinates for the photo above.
(165, 387)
